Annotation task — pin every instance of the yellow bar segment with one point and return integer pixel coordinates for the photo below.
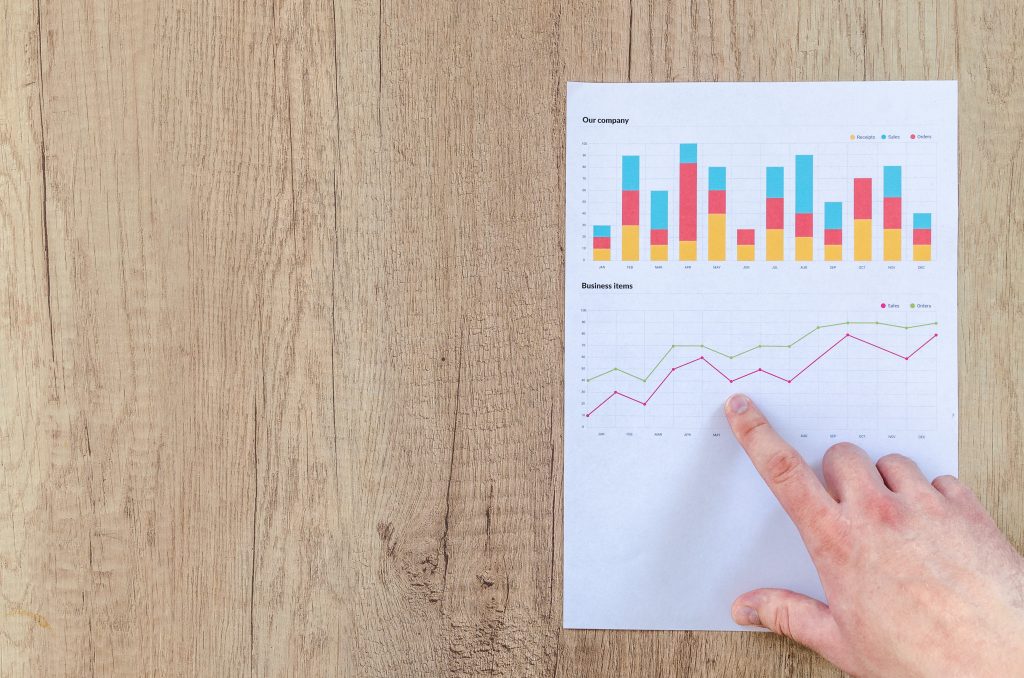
(892, 249)
(833, 252)
(659, 252)
(716, 237)
(688, 250)
(774, 247)
(602, 255)
(745, 252)
(862, 240)
(804, 249)
(922, 252)
(630, 243)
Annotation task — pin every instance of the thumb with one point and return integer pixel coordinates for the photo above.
(794, 615)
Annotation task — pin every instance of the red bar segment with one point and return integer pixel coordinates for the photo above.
(602, 243)
(862, 198)
(922, 236)
(688, 201)
(659, 236)
(631, 208)
(745, 236)
(716, 202)
(804, 225)
(892, 209)
(833, 236)
(774, 210)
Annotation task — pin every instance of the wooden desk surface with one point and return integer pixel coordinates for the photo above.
(282, 334)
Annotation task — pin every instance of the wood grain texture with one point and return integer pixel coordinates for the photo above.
(282, 335)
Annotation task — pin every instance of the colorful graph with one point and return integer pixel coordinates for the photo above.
(784, 234)
(760, 370)
(769, 239)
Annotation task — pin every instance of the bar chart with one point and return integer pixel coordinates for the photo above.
(807, 201)
(796, 242)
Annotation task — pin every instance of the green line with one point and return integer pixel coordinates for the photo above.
(752, 348)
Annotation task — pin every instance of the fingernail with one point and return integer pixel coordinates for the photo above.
(748, 615)
(738, 404)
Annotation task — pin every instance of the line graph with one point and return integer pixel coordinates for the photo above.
(759, 370)
(754, 348)
(796, 242)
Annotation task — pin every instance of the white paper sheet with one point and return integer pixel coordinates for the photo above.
(666, 522)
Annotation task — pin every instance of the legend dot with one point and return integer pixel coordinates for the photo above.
(883, 305)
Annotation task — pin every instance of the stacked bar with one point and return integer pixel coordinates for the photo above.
(804, 207)
(688, 202)
(659, 225)
(862, 219)
(833, 231)
(602, 243)
(630, 208)
(922, 236)
(892, 210)
(745, 244)
(716, 214)
(774, 208)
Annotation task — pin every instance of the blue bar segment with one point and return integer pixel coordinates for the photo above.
(774, 181)
(602, 231)
(923, 220)
(631, 172)
(804, 184)
(833, 215)
(716, 178)
(659, 210)
(687, 153)
(892, 181)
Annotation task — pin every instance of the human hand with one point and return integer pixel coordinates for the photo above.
(918, 578)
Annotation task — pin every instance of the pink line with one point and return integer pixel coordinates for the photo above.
(763, 371)
(610, 396)
(930, 339)
(841, 340)
(863, 341)
(688, 362)
(724, 376)
(667, 375)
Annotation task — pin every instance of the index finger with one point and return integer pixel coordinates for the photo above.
(786, 473)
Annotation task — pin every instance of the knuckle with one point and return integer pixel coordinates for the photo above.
(783, 466)
(752, 428)
(782, 622)
(884, 509)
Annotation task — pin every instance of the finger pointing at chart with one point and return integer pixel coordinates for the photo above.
(916, 577)
(786, 473)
